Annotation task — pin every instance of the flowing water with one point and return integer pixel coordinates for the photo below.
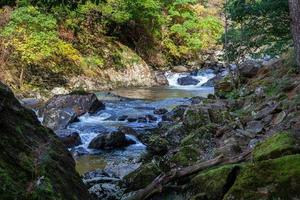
(138, 102)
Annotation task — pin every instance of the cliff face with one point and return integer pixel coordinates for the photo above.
(33, 163)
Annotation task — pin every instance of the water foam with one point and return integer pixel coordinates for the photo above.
(202, 76)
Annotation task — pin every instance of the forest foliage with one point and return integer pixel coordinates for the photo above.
(258, 28)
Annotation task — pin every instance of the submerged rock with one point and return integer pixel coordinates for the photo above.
(34, 164)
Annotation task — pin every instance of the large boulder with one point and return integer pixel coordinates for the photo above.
(212, 184)
(196, 116)
(115, 139)
(61, 110)
(249, 68)
(187, 80)
(141, 177)
(34, 164)
(271, 179)
(280, 144)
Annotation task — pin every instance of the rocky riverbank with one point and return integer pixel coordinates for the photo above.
(238, 144)
(243, 147)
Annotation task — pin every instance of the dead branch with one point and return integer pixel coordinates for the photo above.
(162, 180)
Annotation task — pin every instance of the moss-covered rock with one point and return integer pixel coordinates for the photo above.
(157, 145)
(175, 134)
(186, 155)
(212, 184)
(280, 144)
(196, 116)
(201, 137)
(34, 164)
(141, 177)
(272, 179)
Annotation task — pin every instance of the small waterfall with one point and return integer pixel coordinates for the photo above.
(203, 76)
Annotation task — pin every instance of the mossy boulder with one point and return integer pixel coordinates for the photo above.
(141, 177)
(202, 138)
(271, 179)
(34, 164)
(280, 144)
(175, 134)
(186, 155)
(157, 145)
(196, 116)
(213, 183)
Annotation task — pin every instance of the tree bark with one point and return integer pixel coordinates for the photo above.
(295, 24)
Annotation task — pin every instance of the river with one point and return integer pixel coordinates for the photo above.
(136, 104)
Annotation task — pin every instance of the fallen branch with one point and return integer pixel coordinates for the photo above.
(162, 180)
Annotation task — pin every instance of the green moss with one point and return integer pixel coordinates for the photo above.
(157, 144)
(44, 190)
(196, 116)
(271, 179)
(211, 183)
(201, 137)
(8, 188)
(186, 156)
(141, 177)
(278, 145)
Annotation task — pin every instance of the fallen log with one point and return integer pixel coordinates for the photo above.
(163, 179)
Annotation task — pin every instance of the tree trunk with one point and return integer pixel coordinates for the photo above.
(295, 17)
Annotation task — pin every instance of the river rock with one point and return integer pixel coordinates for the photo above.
(175, 114)
(267, 109)
(160, 78)
(68, 137)
(188, 80)
(58, 119)
(128, 131)
(160, 111)
(196, 100)
(131, 119)
(122, 117)
(180, 69)
(115, 139)
(103, 185)
(151, 118)
(61, 110)
(249, 68)
(255, 127)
